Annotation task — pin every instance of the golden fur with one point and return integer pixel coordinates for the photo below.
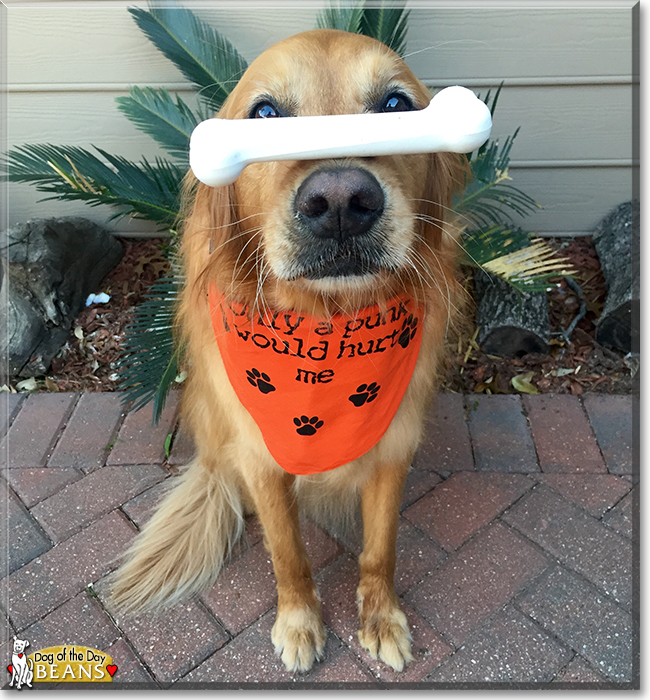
(236, 236)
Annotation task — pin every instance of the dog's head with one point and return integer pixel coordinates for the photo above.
(368, 225)
(20, 645)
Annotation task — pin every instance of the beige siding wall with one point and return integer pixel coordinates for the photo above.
(567, 71)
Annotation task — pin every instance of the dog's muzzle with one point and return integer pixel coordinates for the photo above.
(336, 211)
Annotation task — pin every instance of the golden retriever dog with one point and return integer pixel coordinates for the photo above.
(358, 244)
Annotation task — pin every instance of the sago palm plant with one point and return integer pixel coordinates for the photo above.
(150, 190)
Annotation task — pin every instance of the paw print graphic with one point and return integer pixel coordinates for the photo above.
(260, 379)
(409, 329)
(307, 426)
(365, 394)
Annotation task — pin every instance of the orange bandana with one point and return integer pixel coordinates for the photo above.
(322, 391)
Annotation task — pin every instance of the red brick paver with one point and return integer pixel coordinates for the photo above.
(35, 429)
(612, 418)
(571, 535)
(500, 434)
(130, 669)
(246, 588)
(564, 439)
(621, 517)
(182, 449)
(507, 573)
(33, 485)
(417, 556)
(509, 649)
(88, 436)
(5, 629)
(582, 617)
(418, 483)
(476, 581)
(89, 498)
(9, 407)
(342, 667)
(140, 443)
(142, 507)
(596, 493)
(579, 671)
(66, 569)
(176, 640)
(81, 617)
(464, 503)
(27, 539)
(446, 446)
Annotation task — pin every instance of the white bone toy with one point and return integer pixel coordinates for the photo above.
(455, 120)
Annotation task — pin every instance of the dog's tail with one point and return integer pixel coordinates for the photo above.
(182, 548)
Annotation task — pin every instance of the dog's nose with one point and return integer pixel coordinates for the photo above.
(339, 202)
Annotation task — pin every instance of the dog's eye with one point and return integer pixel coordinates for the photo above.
(396, 103)
(264, 110)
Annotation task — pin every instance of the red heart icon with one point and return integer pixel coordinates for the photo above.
(10, 668)
(111, 669)
(20, 656)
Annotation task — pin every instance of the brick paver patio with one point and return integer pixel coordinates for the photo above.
(516, 556)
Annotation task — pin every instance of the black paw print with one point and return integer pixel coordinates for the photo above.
(307, 426)
(409, 328)
(365, 394)
(260, 379)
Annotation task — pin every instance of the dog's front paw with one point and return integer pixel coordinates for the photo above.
(298, 637)
(385, 634)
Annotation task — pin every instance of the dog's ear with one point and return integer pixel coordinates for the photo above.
(447, 175)
(210, 234)
(440, 230)
(207, 215)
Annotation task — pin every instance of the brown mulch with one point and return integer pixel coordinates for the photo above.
(87, 362)
(577, 367)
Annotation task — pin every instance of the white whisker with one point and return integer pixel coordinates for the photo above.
(444, 43)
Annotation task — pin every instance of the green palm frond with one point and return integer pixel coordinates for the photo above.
(530, 269)
(493, 242)
(513, 254)
(495, 201)
(169, 122)
(489, 198)
(347, 19)
(491, 102)
(200, 52)
(386, 24)
(492, 160)
(143, 190)
(150, 361)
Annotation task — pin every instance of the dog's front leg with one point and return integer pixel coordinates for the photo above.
(298, 634)
(384, 631)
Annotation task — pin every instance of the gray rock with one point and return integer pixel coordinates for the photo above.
(616, 239)
(47, 269)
